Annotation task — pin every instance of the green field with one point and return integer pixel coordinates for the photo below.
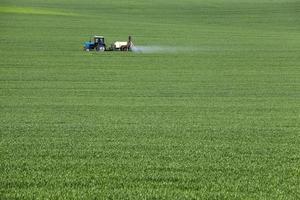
(219, 118)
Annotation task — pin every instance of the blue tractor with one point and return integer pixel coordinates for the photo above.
(96, 44)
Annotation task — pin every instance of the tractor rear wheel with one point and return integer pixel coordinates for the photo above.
(100, 48)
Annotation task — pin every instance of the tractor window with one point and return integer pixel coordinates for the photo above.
(99, 40)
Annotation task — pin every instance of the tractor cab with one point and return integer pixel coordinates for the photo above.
(97, 43)
(99, 40)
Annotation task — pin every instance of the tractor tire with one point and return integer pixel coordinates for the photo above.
(101, 49)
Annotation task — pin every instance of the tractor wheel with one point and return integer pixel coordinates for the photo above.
(101, 49)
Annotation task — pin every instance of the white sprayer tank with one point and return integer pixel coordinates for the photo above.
(118, 44)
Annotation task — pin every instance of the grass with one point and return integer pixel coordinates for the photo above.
(218, 122)
(31, 11)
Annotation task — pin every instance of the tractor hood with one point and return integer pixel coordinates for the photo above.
(88, 44)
